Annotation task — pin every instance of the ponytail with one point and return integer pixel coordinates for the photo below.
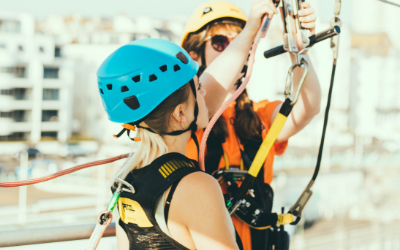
(144, 152)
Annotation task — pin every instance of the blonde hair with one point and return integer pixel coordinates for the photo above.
(144, 152)
(152, 145)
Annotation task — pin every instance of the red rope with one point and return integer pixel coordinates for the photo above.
(62, 172)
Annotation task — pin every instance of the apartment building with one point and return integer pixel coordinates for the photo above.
(35, 83)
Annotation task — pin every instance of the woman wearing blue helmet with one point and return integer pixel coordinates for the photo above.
(151, 86)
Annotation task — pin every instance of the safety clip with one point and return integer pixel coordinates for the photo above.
(289, 80)
(104, 217)
(298, 207)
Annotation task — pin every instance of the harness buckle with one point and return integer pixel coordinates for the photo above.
(120, 187)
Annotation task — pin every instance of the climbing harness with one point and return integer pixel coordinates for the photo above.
(143, 215)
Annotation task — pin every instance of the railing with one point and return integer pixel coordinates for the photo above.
(52, 234)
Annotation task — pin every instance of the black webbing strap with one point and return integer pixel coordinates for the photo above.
(168, 201)
(328, 105)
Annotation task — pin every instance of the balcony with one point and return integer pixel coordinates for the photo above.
(21, 126)
(6, 126)
(52, 83)
(19, 104)
(6, 103)
(50, 126)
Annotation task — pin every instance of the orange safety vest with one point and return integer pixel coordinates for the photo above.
(264, 110)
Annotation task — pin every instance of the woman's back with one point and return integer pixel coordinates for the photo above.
(196, 218)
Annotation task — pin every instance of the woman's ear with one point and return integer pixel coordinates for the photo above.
(178, 115)
(194, 55)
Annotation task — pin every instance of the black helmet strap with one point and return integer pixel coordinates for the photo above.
(193, 124)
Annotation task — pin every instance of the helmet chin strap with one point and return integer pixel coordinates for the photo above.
(192, 126)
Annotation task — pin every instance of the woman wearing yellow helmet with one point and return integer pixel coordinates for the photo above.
(214, 27)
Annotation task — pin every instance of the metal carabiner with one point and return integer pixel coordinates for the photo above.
(289, 80)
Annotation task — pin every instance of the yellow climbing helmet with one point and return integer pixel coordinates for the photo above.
(209, 12)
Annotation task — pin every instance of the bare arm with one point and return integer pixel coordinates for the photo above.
(220, 76)
(307, 106)
(198, 206)
(122, 238)
(309, 101)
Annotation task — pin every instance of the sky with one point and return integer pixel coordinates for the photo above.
(162, 9)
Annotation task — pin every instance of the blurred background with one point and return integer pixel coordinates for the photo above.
(51, 117)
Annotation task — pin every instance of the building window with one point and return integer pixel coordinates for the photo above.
(6, 114)
(16, 136)
(41, 49)
(49, 135)
(19, 115)
(20, 94)
(50, 73)
(18, 71)
(49, 115)
(20, 48)
(57, 52)
(51, 94)
(7, 92)
(8, 26)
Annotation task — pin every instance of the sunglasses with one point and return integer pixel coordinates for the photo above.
(219, 42)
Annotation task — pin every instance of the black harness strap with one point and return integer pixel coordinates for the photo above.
(169, 199)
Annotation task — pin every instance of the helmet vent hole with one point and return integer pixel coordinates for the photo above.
(152, 78)
(132, 102)
(109, 86)
(124, 89)
(101, 91)
(176, 67)
(136, 78)
(182, 57)
(163, 68)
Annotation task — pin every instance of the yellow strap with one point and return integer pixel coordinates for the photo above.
(267, 144)
(284, 219)
(226, 161)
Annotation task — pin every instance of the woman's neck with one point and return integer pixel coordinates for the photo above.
(177, 143)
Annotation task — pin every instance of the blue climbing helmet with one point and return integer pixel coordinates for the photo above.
(138, 76)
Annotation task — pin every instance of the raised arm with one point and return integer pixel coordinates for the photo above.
(220, 76)
(309, 101)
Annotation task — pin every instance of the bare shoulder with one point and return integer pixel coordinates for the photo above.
(201, 189)
(199, 183)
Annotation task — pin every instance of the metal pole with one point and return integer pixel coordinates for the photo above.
(47, 235)
(23, 175)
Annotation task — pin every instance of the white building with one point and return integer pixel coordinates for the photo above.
(89, 42)
(35, 83)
